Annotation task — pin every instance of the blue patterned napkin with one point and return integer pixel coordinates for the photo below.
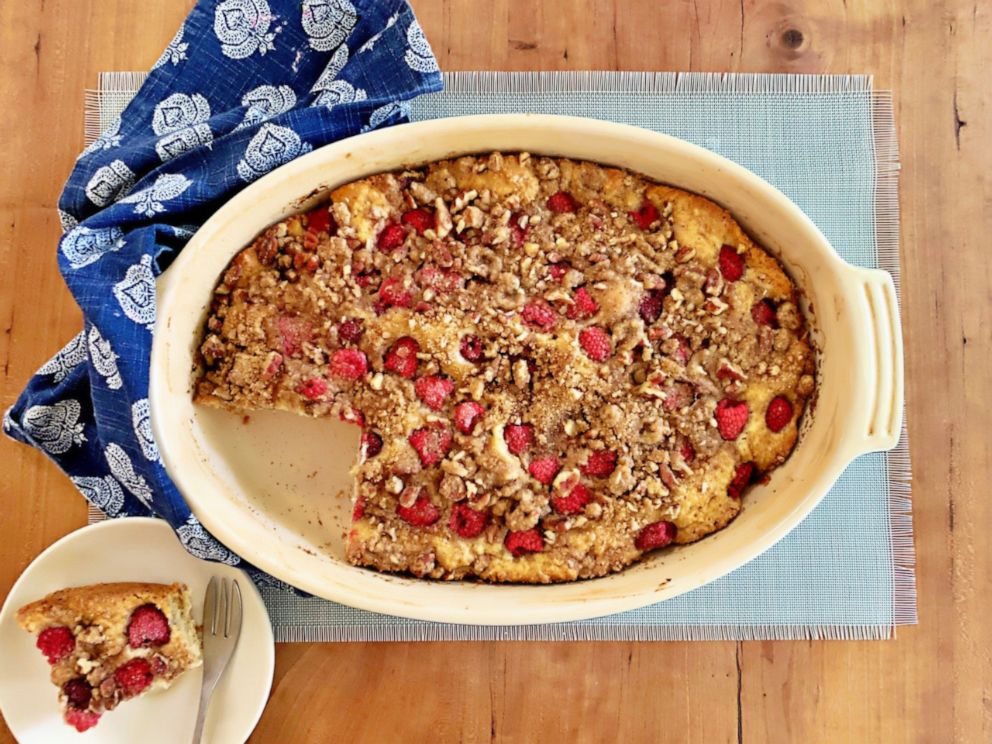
(243, 87)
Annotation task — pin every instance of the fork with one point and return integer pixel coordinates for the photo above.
(221, 630)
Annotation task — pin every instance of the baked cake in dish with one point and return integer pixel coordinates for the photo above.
(111, 642)
(558, 366)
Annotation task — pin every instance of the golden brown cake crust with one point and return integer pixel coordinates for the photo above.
(635, 361)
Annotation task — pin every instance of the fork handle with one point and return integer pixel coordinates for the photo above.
(201, 715)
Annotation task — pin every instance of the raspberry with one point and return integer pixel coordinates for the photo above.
(779, 413)
(320, 220)
(442, 282)
(82, 720)
(558, 270)
(517, 234)
(688, 452)
(471, 348)
(539, 313)
(522, 543)
(432, 443)
(741, 480)
(683, 351)
(352, 416)
(368, 279)
(56, 643)
(467, 522)
(294, 332)
(133, 676)
(394, 294)
(731, 263)
(349, 364)
(651, 305)
(585, 306)
(78, 693)
(645, 216)
(420, 220)
(655, 535)
(763, 313)
(433, 390)
(422, 513)
(731, 417)
(401, 357)
(600, 464)
(518, 437)
(574, 502)
(391, 238)
(371, 443)
(562, 202)
(359, 509)
(313, 388)
(678, 395)
(544, 469)
(350, 331)
(148, 626)
(466, 416)
(596, 343)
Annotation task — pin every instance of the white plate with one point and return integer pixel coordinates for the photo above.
(132, 550)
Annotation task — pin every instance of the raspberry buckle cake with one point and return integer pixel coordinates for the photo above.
(558, 366)
(111, 642)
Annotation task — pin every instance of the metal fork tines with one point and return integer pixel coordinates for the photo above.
(221, 630)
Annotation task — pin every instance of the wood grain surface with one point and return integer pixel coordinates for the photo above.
(933, 684)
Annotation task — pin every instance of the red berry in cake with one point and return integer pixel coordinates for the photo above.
(349, 364)
(431, 442)
(358, 511)
(420, 220)
(524, 542)
(741, 480)
(544, 469)
(596, 343)
(731, 263)
(313, 388)
(81, 720)
(422, 513)
(56, 643)
(678, 395)
(573, 502)
(763, 313)
(539, 313)
(467, 414)
(779, 413)
(471, 348)
(433, 390)
(584, 307)
(133, 676)
(518, 235)
(646, 216)
(350, 331)
(651, 305)
(320, 220)
(148, 626)
(371, 443)
(368, 279)
(731, 418)
(401, 357)
(562, 202)
(558, 270)
(293, 333)
(655, 535)
(518, 437)
(393, 294)
(467, 522)
(688, 452)
(391, 238)
(78, 693)
(600, 464)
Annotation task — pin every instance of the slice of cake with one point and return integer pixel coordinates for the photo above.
(111, 642)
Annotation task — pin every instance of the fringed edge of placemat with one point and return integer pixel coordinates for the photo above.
(898, 461)
(898, 464)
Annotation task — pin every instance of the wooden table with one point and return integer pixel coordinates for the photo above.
(933, 684)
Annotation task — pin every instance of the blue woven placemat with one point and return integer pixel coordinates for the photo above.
(829, 143)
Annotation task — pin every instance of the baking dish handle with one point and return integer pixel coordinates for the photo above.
(881, 369)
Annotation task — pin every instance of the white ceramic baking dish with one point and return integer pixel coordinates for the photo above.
(276, 489)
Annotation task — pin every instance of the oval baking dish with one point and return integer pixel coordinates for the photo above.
(275, 488)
